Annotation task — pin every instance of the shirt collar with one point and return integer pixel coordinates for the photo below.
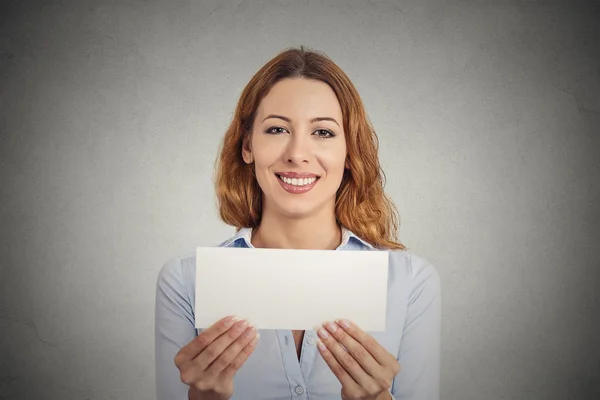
(243, 237)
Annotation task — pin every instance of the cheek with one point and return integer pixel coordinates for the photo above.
(334, 161)
(267, 150)
(266, 154)
(263, 157)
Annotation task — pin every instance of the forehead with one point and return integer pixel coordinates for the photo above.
(301, 98)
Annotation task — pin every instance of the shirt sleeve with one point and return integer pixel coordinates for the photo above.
(419, 353)
(174, 328)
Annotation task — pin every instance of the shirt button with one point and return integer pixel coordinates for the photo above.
(299, 389)
(311, 340)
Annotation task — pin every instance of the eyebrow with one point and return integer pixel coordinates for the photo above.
(311, 121)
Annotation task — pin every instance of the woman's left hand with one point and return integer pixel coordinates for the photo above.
(365, 369)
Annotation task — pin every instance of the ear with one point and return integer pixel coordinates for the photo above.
(347, 164)
(247, 150)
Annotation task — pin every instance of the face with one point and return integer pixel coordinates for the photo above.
(299, 158)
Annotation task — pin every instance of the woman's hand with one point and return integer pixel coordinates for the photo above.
(209, 362)
(365, 369)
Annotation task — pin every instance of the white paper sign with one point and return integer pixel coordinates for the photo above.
(291, 289)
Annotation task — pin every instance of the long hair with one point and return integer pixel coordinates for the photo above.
(361, 204)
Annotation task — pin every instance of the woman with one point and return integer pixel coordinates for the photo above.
(299, 169)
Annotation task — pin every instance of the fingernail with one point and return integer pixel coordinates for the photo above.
(343, 323)
(250, 323)
(332, 327)
(250, 332)
(255, 340)
(240, 326)
(323, 333)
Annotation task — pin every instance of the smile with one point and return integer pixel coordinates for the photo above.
(297, 185)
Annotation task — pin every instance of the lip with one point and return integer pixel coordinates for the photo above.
(296, 189)
(297, 174)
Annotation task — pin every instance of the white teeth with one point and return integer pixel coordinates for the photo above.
(297, 181)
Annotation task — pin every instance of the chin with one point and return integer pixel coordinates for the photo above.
(302, 208)
(297, 211)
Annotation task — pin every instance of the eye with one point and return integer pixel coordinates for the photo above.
(270, 130)
(322, 133)
(325, 133)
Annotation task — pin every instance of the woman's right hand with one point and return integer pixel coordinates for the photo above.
(210, 361)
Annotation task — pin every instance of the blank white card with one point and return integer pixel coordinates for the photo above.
(291, 289)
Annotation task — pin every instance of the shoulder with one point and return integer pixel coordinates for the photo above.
(174, 266)
(178, 273)
(411, 263)
(414, 270)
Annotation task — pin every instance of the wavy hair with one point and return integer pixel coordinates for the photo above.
(361, 204)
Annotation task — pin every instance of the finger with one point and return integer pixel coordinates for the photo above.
(345, 359)
(379, 354)
(231, 352)
(356, 350)
(200, 342)
(218, 346)
(340, 372)
(240, 359)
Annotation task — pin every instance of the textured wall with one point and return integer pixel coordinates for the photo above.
(111, 114)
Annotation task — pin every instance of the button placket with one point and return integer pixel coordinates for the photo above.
(309, 354)
(290, 361)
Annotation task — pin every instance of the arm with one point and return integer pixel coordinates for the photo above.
(173, 328)
(419, 354)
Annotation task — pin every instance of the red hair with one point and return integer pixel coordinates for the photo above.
(361, 203)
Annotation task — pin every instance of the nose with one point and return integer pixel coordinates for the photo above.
(298, 149)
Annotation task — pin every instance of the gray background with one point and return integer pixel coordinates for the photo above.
(111, 115)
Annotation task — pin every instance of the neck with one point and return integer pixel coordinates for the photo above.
(314, 233)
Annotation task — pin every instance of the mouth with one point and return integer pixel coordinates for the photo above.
(297, 184)
(298, 181)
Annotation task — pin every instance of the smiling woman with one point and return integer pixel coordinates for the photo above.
(309, 104)
(298, 147)
(299, 169)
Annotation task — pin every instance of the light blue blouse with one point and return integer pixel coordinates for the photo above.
(273, 371)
